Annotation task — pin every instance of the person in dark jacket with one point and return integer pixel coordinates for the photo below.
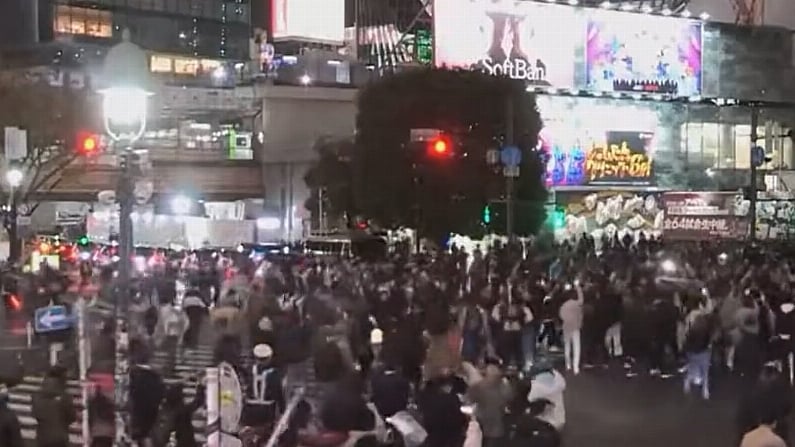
(10, 432)
(440, 405)
(146, 393)
(101, 419)
(177, 417)
(390, 390)
(54, 412)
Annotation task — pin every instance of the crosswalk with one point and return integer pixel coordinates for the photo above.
(190, 365)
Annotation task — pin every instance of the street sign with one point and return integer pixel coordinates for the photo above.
(16, 143)
(510, 171)
(510, 156)
(758, 155)
(51, 319)
(23, 221)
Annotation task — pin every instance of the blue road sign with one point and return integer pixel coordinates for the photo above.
(758, 155)
(51, 319)
(510, 156)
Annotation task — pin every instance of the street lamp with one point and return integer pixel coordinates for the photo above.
(124, 82)
(181, 205)
(14, 177)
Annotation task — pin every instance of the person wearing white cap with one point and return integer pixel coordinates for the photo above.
(266, 397)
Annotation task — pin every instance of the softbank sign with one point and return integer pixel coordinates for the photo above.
(531, 41)
(534, 72)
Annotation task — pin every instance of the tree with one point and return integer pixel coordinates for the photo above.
(395, 182)
(52, 116)
(332, 175)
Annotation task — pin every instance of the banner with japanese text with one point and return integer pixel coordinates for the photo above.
(703, 216)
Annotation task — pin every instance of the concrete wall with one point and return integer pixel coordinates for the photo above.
(293, 118)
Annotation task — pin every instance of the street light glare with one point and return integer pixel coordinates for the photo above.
(124, 106)
(181, 205)
(14, 177)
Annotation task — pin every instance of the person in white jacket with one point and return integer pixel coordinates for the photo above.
(571, 315)
(548, 384)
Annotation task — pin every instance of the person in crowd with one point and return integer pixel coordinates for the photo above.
(571, 315)
(491, 395)
(175, 420)
(391, 390)
(440, 405)
(102, 419)
(511, 318)
(54, 412)
(697, 346)
(546, 391)
(171, 328)
(146, 393)
(768, 397)
(265, 400)
(10, 431)
(764, 434)
(196, 311)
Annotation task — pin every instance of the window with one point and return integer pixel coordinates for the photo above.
(710, 144)
(83, 21)
(160, 64)
(185, 66)
(693, 142)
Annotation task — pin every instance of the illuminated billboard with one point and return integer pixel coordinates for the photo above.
(627, 52)
(591, 143)
(565, 47)
(523, 40)
(308, 20)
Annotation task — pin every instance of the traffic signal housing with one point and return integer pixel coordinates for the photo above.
(487, 214)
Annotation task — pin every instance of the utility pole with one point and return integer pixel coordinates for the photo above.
(752, 190)
(509, 176)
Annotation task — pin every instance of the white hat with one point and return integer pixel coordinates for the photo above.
(263, 351)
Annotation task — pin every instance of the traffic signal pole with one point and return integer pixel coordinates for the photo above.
(752, 190)
(509, 179)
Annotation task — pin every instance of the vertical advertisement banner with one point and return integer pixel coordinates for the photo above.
(524, 40)
(703, 216)
(642, 53)
(308, 20)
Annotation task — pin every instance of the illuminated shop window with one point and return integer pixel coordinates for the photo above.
(194, 67)
(161, 64)
(83, 21)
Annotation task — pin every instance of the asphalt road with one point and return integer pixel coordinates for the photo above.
(606, 409)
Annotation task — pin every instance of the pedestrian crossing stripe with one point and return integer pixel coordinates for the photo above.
(187, 367)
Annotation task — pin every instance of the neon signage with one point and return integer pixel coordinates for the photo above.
(617, 163)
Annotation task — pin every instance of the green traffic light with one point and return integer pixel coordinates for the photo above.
(486, 215)
(83, 240)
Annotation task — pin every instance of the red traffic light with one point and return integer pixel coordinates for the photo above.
(87, 143)
(440, 146)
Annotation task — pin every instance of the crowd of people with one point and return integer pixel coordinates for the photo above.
(451, 348)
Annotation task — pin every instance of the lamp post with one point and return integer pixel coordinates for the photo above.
(125, 80)
(14, 177)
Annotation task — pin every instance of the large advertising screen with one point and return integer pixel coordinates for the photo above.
(308, 20)
(628, 52)
(591, 143)
(703, 215)
(565, 47)
(523, 40)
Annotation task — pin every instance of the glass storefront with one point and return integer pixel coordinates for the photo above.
(604, 141)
